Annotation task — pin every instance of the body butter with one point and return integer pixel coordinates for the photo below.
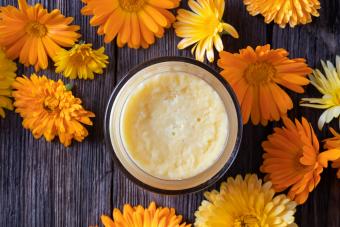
(174, 125)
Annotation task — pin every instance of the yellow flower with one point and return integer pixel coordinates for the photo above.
(7, 77)
(284, 11)
(292, 159)
(49, 109)
(133, 22)
(30, 33)
(141, 217)
(333, 144)
(245, 202)
(255, 76)
(81, 61)
(203, 28)
(329, 85)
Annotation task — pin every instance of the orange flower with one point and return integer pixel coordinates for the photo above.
(284, 12)
(31, 33)
(49, 109)
(333, 144)
(7, 77)
(135, 22)
(139, 216)
(292, 159)
(255, 76)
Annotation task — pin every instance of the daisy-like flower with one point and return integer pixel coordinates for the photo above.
(31, 33)
(203, 28)
(146, 217)
(292, 159)
(49, 109)
(133, 22)
(81, 61)
(7, 77)
(245, 202)
(333, 146)
(329, 85)
(283, 12)
(255, 76)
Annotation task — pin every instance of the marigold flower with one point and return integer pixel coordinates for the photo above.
(333, 146)
(245, 202)
(133, 22)
(146, 217)
(329, 85)
(31, 33)
(7, 77)
(283, 12)
(255, 76)
(49, 109)
(81, 61)
(292, 159)
(203, 27)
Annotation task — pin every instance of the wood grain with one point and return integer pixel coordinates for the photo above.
(44, 184)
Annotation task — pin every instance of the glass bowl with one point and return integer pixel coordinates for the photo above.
(113, 118)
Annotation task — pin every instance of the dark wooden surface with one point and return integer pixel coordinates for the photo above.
(44, 184)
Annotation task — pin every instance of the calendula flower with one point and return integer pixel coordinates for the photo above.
(144, 217)
(133, 22)
(333, 144)
(31, 33)
(329, 85)
(49, 109)
(283, 12)
(245, 202)
(7, 77)
(203, 28)
(292, 159)
(255, 76)
(81, 61)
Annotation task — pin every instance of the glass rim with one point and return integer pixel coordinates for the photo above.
(113, 97)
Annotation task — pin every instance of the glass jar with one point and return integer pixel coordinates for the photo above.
(113, 123)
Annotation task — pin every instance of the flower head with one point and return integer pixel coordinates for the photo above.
(31, 33)
(333, 146)
(292, 159)
(329, 85)
(7, 77)
(133, 22)
(147, 217)
(283, 12)
(81, 61)
(245, 202)
(255, 76)
(203, 27)
(49, 109)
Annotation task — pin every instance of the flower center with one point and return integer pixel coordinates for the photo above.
(36, 29)
(131, 5)
(81, 54)
(336, 98)
(247, 221)
(259, 72)
(51, 104)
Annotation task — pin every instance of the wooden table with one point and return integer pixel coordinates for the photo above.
(44, 184)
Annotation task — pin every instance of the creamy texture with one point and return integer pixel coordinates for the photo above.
(174, 126)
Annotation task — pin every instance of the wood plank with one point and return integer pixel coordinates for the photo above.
(45, 184)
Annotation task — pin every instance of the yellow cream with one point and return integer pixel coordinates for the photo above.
(174, 126)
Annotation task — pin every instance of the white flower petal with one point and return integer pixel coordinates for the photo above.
(322, 120)
(332, 113)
